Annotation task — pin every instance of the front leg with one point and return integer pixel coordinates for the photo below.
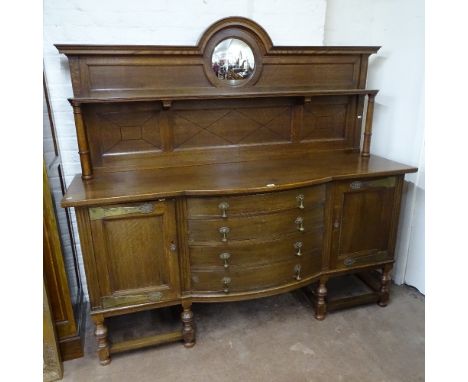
(320, 304)
(103, 348)
(188, 329)
(385, 285)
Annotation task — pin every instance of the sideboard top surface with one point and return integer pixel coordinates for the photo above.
(253, 176)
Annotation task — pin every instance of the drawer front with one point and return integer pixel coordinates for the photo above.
(267, 226)
(244, 279)
(250, 253)
(254, 204)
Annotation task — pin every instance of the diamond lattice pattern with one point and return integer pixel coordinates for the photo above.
(223, 127)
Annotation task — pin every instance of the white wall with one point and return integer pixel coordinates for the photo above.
(398, 71)
(181, 22)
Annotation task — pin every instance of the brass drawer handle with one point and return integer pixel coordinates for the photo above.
(300, 223)
(297, 272)
(223, 206)
(349, 261)
(226, 281)
(224, 231)
(298, 246)
(300, 201)
(225, 257)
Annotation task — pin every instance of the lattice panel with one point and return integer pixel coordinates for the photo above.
(129, 131)
(324, 121)
(223, 127)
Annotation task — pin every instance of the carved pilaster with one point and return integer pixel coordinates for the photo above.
(85, 158)
(321, 305)
(103, 348)
(188, 330)
(368, 130)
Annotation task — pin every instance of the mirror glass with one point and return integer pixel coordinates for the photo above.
(233, 59)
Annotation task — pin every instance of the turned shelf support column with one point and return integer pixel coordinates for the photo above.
(321, 304)
(368, 129)
(188, 329)
(85, 159)
(385, 285)
(103, 347)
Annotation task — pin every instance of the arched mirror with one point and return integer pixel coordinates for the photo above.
(233, 59)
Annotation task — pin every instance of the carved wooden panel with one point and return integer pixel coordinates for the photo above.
(363, 219)
(145, 263)
(104, 75)
(236, 126)
(325, 118)
(124, 129)
(317, 72)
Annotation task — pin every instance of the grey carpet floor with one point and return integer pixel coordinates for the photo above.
(273, 339)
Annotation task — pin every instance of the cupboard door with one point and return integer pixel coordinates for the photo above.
(136, 253)
(364, 221)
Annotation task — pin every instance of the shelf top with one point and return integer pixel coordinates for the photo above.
(254, 176)
(216, 93)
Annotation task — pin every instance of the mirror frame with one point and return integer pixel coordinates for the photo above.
(247, 38)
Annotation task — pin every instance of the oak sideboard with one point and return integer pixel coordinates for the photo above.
(225, 171)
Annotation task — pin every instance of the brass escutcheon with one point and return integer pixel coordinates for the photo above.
(349, 261)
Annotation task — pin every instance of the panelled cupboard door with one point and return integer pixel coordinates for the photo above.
(365, 214)
(136, 253)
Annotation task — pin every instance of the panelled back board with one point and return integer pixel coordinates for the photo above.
(186, 115)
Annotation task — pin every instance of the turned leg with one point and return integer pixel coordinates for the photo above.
(188, 330)
(385, 285)
(320, 304)
(103, 348)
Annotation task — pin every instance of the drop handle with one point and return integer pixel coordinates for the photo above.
(224, 231)
(223, 206)
(226, 281)
(298, 247)
(225, 257)
(297, 272)
(300, 201)
(300, 223)
(173, 246)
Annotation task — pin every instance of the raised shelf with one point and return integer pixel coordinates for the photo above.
(216, 93)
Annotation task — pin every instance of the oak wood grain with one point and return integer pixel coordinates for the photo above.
(232, 172)
(228, 178)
